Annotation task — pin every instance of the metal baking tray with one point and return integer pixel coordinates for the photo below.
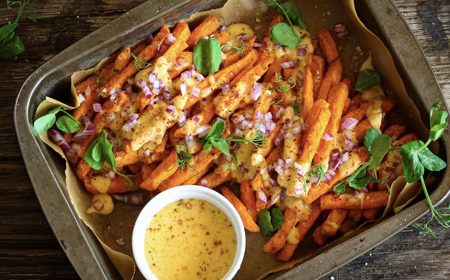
(46, 168)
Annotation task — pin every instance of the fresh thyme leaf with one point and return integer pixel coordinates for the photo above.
(183, 157)
(139, 63)
(296, 107)
(289, 11)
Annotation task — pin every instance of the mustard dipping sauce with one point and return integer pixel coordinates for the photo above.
(190, 239)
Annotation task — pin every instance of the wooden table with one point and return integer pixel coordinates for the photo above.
(28, 248)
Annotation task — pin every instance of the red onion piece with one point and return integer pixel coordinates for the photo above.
(182, 119)
(287, 64)
(152, 77)
(195, 92)
(200, 77)
(81, 98)
(257, 45)
(301, 50)
(170, 109)
(58, 139)
(202, 130)
(170, 39)
(97, 107)
(196, 119)
(204, 183)
(327, 137)
(130, 198)
(83, 134)
(226, 88)
(299, 169)
(183, 88)
(190, 142)
(256, 91)
(149, 39)
(262, 196)
(186, 75)
(335, 154)
(350, 123)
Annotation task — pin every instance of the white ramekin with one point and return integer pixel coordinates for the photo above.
(172, 195)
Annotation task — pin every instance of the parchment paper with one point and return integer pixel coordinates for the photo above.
(113, 229)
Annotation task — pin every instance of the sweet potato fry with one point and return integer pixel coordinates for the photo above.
(181, 33)
(318, 237)
(273, 69)
(258, 185)
(183, 62)
(371, 214)
(361, 128)
(248, 198)
(332, 76)
(122, 59)
(264, 101)
(405, 139)
(301, 229)
(164, 170)
(327, 45)
(83, 169)
(247, 219)
(221, 36)
(205, 28)
(317, 68)
(234, 56)
(355, 215)
(361, 201)
(194, 123)
(333, 221)
(395, 131)
(127, 156)
(278, 240)
(338, 95)
(307, 93)
(214, 179)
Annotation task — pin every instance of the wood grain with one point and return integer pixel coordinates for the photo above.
(28, 249)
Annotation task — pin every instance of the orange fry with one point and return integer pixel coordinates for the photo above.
(246, 218)
(317, 68)
(164, 170)
(308, 93)
(332, 76)
(248, 197)
(361, 201)
(327, 45)
(122, 60)
(333, 221)
(205, 28)
(318, 237)
(278, 240)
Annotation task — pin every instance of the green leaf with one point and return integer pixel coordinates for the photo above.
(285, 35)
(296, 107)
(277, 218)
(379, 148)
(293, 14)
(431, 161)
(264, 222)
(32, 17)
(97, 152)
(207, 147)
(207, 56)
(370, 136)
(45, 122)
(340, 187)
(7, 32)
(11, 48)
(107, 152)
(438, 121)
(216, 129)
(413, 169)
(359, 183)
(94, 164)
(221, 145)
(68, 124)
(367, 79)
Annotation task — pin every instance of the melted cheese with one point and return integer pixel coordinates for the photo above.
(101, 183)
(238, 29)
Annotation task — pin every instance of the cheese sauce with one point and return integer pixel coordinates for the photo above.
(190, 239)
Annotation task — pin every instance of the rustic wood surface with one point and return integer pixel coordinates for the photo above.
(28, 248)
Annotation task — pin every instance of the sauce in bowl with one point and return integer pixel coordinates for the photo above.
(190, 239)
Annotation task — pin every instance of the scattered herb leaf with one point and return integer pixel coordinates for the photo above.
(183, 157)
(269, 221)
(285, 35)
(367, 79)
(139, 63)
(207, 56)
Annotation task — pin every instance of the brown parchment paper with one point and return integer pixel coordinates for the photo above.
(114, 231)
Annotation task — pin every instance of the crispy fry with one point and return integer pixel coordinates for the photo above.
(248, 198)
(214, 179)
(301, 229)
(205, 28)
(198, 166)
(338, 95)
(371, 214)
(318, 236)
(355, 215)
(194, 123)
(332, 76)
(333, 222)
(405, 139)
(122, 59)
(361, 201)
(181, 33)
(327, 45)
(127, 156)
(307, 93)
(247, 219)
(183, 62)
(83, 169)
(317, 68)
(395, 131)
(263, 103)
(235, 56)
(221, 36)
(361, 128)
(278, 241)
(273, 69)
(164, 170)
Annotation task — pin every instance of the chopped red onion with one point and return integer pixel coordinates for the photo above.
(111, 174)
(329, 175)
(170, 39)
(345, 157)
(97, 107)
(335, 164)
(226, 88)
(149, 39)
(130, 198)
(287, 64)
(186, 75)
(83, 134)
(296, 130)
(152, 77)
(81, 98)
(271, 127)
(182, 119)
(277, 46)
(170, 109)
(280, 113)
(132, 123)
(349, 144)
(327, 137)
(183, 88)
(195, 92)
(262, 196)
(364, 189)
(190, 142)
(202, 130)
(147, 153)
(200, 77)
(238, 132)
(301, 50)
(283, 194)
(203, 182)
(256, 91)
(299, 187)
(58, 139)
(288, 162)
(134, 116)
(335, 154)
(257, 45)
(196, 119)
(248, 116)
(350, 123)
(298, 167)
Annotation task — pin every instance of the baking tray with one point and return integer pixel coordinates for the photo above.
(46, 168)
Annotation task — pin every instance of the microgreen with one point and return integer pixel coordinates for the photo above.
(100, 151)
(269, 221)
(183, 157)
(315, 171)
(10, 43)
(207, 56)
(367, 79)
(66, 123)
(238, 50)
(282, 86)
(296, 107)
(285, 35)
(214, 139)
(289, 11)
(139, 63)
